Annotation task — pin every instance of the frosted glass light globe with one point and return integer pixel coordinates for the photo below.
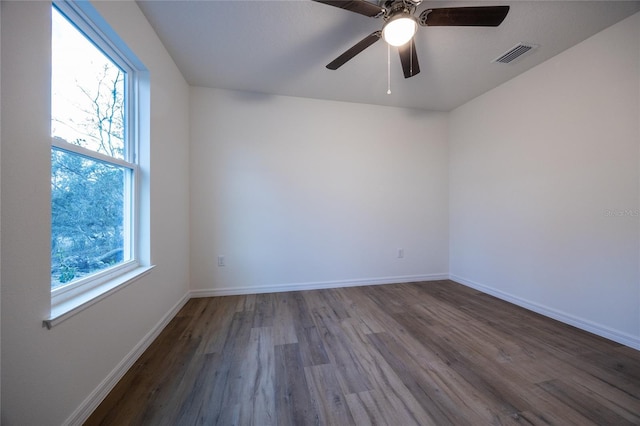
(400, 30)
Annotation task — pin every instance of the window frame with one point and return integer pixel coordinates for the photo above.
(75, 296)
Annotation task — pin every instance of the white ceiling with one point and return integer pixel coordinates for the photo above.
(282, 47)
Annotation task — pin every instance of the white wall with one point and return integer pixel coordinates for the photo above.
(301, 193)
(47, 374)
(535, 165)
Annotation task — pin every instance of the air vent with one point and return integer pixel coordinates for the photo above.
(516, 52)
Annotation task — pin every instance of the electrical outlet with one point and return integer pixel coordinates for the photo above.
(220, 260)
(400, 253)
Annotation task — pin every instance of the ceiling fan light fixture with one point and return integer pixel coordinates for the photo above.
(400, 29)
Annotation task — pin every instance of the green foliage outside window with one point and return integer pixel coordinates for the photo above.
(87, 216)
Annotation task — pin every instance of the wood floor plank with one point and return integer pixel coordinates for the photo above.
(327, 397)
(349, 371)
(403, 354)
(441, 406)
(293, 402)
(219, 379)
(585, 405)
(613, 397)
(329, 299)
(312, 349)
(381, 295)
(364, 409)
(257, 403)
(374, 408)
(264, 310)
(619, 364)
(360, 307)
(193, 407)
(382, 375)
(246, 302)
(484, 370)
(284, 327)
(300, 311)
(213, 323)
(547, 409)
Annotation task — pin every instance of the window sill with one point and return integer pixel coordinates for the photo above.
(79, 303)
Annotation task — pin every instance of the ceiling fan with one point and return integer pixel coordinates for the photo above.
(401, 24)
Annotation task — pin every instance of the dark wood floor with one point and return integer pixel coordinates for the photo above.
(425, 353)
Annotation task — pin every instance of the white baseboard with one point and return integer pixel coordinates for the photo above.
(319, 285)
(82, 413)
(586, 325)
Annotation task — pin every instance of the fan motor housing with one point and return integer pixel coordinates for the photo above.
(394, 7)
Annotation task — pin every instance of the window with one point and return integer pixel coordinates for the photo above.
(94, 170)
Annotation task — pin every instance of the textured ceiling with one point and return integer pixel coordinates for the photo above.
(282, 47)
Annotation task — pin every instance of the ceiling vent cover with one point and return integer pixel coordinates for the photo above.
(515, 52)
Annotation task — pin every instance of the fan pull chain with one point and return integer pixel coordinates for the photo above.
(411, 58)
(388, 69)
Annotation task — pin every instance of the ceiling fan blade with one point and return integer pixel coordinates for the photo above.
(358, 6)
(475, 16)
(409, 59)
(353, 51)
